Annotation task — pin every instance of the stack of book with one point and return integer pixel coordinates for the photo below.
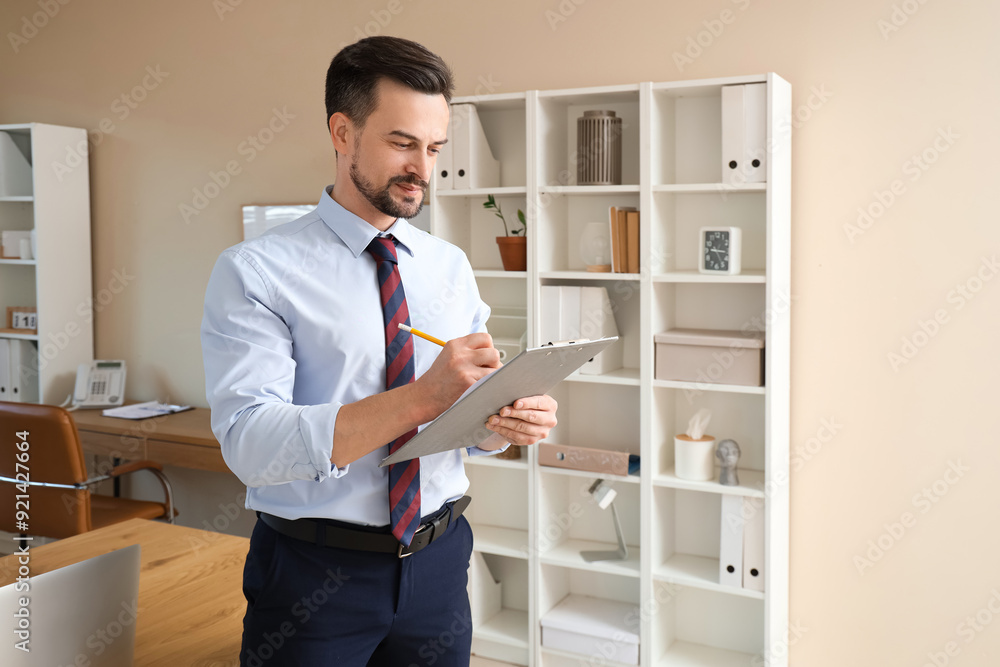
(624, 239)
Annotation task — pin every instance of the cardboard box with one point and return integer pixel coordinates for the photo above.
(583, 458)
(712, 356)
(592, 627)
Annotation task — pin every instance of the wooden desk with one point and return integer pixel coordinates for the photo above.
(184, 439)
(191, 602)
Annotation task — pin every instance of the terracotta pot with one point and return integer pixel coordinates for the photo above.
(513, 252)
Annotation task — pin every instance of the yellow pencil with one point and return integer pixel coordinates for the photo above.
(417, 332)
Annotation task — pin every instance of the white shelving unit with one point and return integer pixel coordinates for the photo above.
(58, 281)
(531, 522)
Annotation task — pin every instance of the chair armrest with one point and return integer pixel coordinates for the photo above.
(133, 466)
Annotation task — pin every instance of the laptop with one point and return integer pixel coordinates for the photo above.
(81, 614)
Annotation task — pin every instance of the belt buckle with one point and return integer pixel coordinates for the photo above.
(402, 551)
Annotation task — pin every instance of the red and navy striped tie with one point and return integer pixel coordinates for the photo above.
(404, 478)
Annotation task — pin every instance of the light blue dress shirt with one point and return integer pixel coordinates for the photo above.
(293, 330)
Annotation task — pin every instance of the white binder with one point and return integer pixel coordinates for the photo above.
(5, 390)
(731, 541)
(15, 170)
(597, 320)
(753, 547)
(744, 134)
(23, 369)
(569, 301)
(442, 169)
(472, 160)
(551, 314)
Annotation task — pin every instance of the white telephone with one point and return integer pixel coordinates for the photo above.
(99, 384)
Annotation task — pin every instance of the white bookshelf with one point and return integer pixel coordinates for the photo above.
(58, 281)
(531, 522)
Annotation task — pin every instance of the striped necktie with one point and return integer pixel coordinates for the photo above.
(404, 478)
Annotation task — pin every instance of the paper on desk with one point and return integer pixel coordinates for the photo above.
(144, 410)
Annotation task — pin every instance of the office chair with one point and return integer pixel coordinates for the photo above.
(59, 502)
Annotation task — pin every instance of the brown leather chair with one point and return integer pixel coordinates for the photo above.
(60, 503)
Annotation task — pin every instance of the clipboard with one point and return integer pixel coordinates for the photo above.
(534, 371)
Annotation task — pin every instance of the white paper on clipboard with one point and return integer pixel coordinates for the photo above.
(535, 371)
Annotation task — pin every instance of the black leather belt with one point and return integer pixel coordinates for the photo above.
(327, 535)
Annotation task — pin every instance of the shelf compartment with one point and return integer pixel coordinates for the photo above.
(465, 223)
(603, 416)
(709, 305)
(679, 216)
(561, 219)
(556, 122)
(570, 521)
(499, 510)
(736, 416)
(706, 628)
(505, 634)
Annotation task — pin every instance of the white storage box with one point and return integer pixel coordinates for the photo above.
(593, 627)
(709, 355)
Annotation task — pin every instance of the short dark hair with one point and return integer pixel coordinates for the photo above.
(354, 74)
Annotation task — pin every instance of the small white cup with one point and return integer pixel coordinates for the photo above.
(694, 459)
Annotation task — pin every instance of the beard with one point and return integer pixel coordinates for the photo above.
(382, 199)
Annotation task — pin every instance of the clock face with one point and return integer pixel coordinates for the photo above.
(717, 251)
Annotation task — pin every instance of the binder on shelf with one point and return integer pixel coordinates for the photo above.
(23, 369)
(753, 547)
(485, 592)
(587, 459)
(597, 320)
(731, 541)
(443, 168)
(5, 380)
(15, 170)
(744, 154)
(472, 160)
(570, 312)
(616, 248)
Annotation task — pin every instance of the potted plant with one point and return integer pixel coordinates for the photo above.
(514, 244)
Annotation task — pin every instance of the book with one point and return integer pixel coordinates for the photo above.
(632, 246)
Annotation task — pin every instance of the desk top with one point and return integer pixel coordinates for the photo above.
(191, 602)
(191, 426)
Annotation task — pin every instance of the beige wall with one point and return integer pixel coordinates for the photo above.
(868, 101)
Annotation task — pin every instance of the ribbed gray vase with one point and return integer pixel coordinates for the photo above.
(598, 148)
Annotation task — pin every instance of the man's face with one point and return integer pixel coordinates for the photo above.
(395, 152)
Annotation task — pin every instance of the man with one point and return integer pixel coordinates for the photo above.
(309, 380)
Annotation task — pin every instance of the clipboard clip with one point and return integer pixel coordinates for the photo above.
(560, 343)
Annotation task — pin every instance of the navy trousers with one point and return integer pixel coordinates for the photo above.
(314, 606)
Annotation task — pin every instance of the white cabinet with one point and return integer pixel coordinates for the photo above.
(532, 522)
(57, 280)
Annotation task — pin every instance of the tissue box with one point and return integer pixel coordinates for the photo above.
(594, 628)
(709, 355)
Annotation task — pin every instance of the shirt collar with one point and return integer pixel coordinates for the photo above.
(355, 232)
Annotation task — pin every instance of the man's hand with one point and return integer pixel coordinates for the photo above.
(462, 362)
(527, 421)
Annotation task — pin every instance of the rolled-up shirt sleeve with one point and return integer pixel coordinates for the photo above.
(250, 379)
